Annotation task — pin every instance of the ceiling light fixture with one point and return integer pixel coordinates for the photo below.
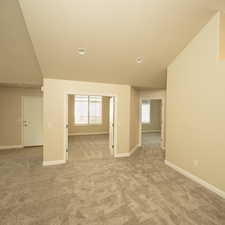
(81, 51)
(139, 59)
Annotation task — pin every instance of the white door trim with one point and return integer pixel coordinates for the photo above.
(111, 126)
(67, 93)
(22, 119)
(162, 144)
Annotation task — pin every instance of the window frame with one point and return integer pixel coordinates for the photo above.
(88, 122)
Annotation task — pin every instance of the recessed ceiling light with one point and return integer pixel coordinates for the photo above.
(82, 51)
(139, 59)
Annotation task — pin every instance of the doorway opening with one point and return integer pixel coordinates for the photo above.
(151, 124)
(90, 126)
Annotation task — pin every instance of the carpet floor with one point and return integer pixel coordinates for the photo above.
(94, 188)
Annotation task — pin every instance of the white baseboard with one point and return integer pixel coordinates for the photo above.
(128, 154)
(10, 147)
(51, 163)
(150, 131)
(196, 179)
(88, 133)
(122, 155)
(134, 149)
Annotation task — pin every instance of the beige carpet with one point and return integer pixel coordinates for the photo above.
(151, 140)
(95, 189)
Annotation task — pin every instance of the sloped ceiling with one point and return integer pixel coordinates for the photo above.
(114, 33)
(18, 63)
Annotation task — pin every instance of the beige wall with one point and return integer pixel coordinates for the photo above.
(195, 107)
(99, 128)
(11, 114)
(54, 91)
(18, 62)
(222, 36)
(154, 93)
(134, 118)
(155, 115)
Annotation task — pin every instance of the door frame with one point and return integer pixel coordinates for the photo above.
(112, 149)
(21, 120)
(66, 133)
(162, 142)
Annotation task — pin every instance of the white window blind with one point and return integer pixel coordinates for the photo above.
(88, 109)
(145, 111)
(95, 109)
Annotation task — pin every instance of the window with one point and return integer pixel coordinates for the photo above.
(145, 111)
(81, 109)
(95, 109)
(88, 109)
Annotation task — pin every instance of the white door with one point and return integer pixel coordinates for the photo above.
(111, 124)
(32, 120)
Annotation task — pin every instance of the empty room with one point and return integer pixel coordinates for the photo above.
(112, 112)
(90, 127)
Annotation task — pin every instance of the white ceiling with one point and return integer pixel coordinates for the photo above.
(115, 33)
